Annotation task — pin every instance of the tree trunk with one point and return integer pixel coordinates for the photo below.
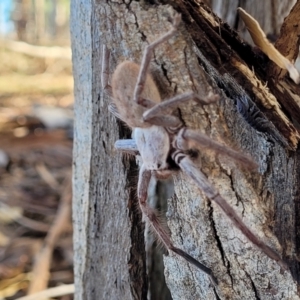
(108, 232)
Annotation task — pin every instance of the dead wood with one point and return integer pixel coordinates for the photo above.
(205, 53)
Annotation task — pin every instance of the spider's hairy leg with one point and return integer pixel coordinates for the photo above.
(188, 138)
(147, 58)
(167, 106)
(202, 182)
(153, 219)
(105, 71)
(166, 121)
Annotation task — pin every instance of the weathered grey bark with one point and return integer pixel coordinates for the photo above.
(108, 236)
(109, 255)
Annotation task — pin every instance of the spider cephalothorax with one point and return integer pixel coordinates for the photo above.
(164, 143)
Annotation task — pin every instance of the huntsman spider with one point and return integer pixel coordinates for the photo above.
(163, 142)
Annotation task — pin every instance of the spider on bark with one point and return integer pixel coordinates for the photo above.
(162, 140)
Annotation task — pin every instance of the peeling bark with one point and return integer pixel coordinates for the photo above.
(205, 54)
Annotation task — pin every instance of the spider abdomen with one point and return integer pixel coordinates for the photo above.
(123, 84)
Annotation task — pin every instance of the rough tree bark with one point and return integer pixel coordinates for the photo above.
(206, 53)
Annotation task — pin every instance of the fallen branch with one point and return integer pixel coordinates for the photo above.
(42, 265)
(38, 51)
(52, 292)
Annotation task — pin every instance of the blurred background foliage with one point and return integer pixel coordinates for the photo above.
(30, 63)
(36, 121)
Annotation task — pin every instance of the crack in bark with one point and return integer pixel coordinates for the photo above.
(225, 261)
(137, 260)
(238, 198)
(216, 294)
(188, 69)
(253, 286)
(143, 36)
(165, 72)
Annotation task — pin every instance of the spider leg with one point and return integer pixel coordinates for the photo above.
(147, 58)
(166, 121)
(188, 138)
(202, 182)
(127, 146)
(105, 71)
(149, 213)
(167, 106)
